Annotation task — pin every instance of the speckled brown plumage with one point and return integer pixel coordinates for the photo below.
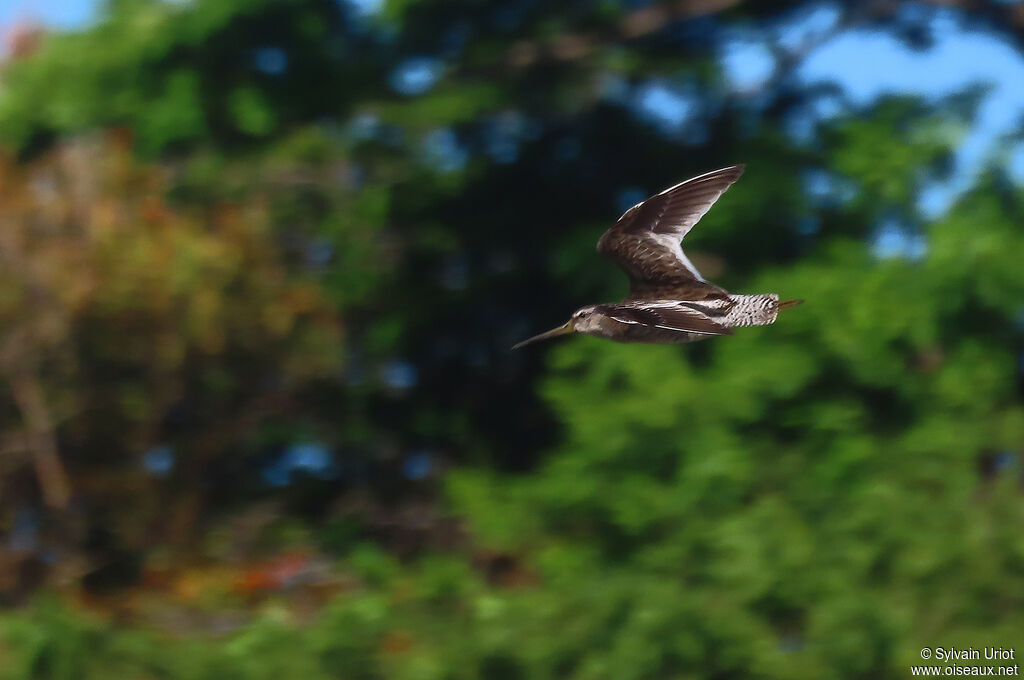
(668, 301)
(645, 241)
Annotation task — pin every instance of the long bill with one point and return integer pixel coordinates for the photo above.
(564, 329)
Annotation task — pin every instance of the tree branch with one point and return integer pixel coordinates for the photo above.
(42, 439)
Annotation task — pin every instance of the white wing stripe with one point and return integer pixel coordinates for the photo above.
(686, 330)
(671, 243)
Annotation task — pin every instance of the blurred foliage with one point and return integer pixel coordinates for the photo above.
(205, 476)
(128, 324)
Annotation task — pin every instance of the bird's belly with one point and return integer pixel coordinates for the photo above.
(657, 336)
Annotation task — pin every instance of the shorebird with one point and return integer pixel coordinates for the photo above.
(669, 302)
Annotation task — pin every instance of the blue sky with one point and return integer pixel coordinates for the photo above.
(870, 63)
(865, 63)
(56, 13)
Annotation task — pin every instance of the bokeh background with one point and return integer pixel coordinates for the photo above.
(262, 261)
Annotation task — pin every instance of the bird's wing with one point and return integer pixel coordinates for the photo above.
(667, 315)
(645, 241)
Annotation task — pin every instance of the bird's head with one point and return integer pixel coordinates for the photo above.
(581, 321)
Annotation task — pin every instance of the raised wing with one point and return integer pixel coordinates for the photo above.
(666, 315)
(645, 241)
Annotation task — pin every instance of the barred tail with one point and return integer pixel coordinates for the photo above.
(755, 310)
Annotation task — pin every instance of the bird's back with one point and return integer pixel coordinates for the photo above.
(740, 310)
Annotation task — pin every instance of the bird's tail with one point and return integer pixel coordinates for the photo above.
(786, 304)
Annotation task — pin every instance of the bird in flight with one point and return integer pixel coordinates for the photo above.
(669, 302)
